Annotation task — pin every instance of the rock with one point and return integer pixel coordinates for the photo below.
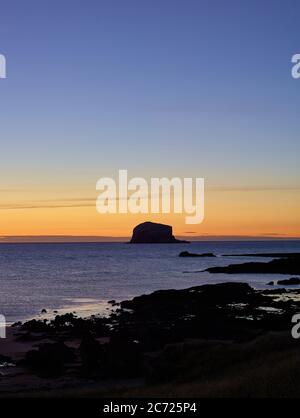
(112, 301)
(153, 233)
(270, 283)
(49, 359)
(290, 265)
(44, 311)
(273, 255)
(176, 302)
(91, 352)
(123, 357)
(188, 254)
(290, 282)
(219, 311)
(62, 321)
(5, 359)
(143, 331)
(35, 326)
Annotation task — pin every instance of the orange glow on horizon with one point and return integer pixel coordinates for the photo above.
(230, 213)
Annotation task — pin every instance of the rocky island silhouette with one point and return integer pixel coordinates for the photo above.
(154, 233)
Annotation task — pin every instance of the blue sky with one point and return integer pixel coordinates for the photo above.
(158, 87)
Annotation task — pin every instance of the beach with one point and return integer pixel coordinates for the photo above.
(213, 340)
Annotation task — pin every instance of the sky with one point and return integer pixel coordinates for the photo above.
(184, 88)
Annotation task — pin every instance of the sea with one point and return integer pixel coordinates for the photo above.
(83, 277)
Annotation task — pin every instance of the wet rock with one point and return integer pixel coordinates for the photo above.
(188, 254)
(225, 312)
(5, 359)
(187, 299)
(49, 359)
(289, 265)
(273, 255)
(270, 283)
(91, 352)
(35, 326)
(17, 324)
(60, 321)
(290, 282)
(124, 357)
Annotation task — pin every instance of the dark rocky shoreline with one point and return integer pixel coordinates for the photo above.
(171, 337)
(289, 264)
(129, 343)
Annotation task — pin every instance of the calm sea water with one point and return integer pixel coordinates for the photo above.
(82, 277)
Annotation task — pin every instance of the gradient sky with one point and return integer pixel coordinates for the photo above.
(161, 88)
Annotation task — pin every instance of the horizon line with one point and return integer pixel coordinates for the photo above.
(15, 239)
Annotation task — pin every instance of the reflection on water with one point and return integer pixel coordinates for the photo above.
(83, 277)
